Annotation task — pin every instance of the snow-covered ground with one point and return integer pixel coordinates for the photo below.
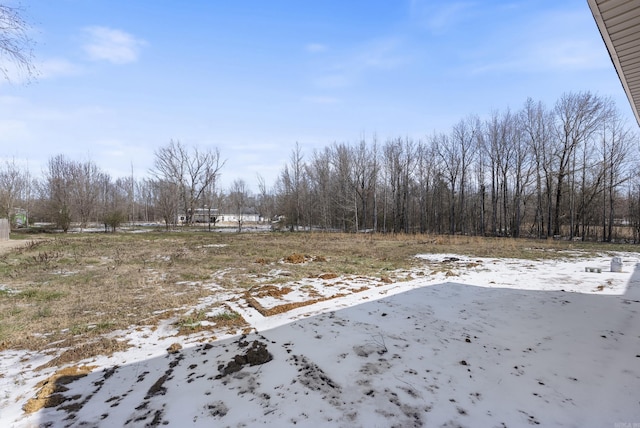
(463, 342)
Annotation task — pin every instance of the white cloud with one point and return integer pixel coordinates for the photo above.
(112, 45)
(58, 67)
(316, 48)
(560, 41)
(439, 18)
(381, 54)
(45, 69)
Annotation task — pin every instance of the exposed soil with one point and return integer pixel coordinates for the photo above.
(6, 246)
(255, 354)
(295, 258)
(51, 389)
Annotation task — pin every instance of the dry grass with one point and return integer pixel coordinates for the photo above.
(72, 289)
(77, 349)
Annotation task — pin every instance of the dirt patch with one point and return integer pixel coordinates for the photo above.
(314, 378)
(51, 389)
(327, 276)
(174, 348)
(269, 291)
(295, 258)
(280, 309)
(256, 354)
(6, 246)
(218, 409)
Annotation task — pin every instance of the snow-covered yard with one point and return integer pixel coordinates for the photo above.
(464, 342)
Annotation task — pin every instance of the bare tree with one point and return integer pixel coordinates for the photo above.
(465, 137)
(16, 47)
(344, 188)
(238, 195)
(578, 117)
(84, 186)
(537, 122)
(399, 163)
(166, 201)
(426, 170)
(144, 199)
(74, 190)
(523, 171)
(616, 146)
(117, 195)
(292, 184)
(364, 168)
(58, 190)
(320, 175)
(193, 172)
(392, 153)
(13, 185)
(533, 171)
(450, 156)
(265, 200)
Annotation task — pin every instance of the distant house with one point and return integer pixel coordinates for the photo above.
(205, 215)
(20, 217)
(233, 218)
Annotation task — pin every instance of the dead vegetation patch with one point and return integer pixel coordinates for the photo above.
(386, 279)
(230, 320)
(174, 348)
(82, 351)
(601, 287)
(296, 258)
(269, 291)
(197, 321)
(286, 307)
(328, 276)
(50, 392)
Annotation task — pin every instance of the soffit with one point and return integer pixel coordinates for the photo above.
(619, 25)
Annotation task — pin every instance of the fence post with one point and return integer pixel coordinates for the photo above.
(4, 229)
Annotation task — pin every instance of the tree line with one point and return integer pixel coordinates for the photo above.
(569, 170)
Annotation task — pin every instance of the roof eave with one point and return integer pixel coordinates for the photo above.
(606, 37)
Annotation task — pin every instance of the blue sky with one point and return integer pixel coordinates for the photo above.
(120, 78)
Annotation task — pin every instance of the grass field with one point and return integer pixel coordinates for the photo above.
(70, 290)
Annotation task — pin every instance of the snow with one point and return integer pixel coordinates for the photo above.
(463, 342)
